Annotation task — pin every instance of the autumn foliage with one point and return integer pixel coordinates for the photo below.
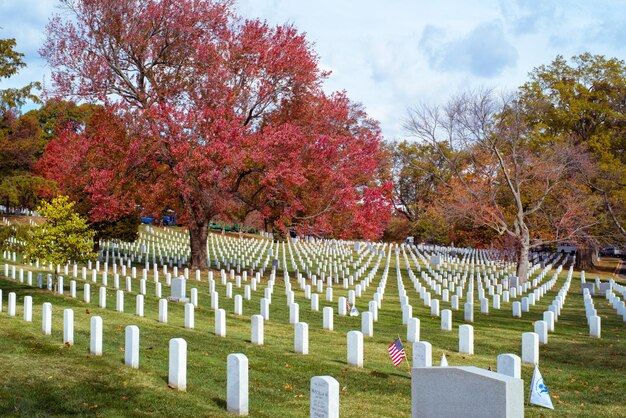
(209, 115)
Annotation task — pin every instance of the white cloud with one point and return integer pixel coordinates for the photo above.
(373, 47)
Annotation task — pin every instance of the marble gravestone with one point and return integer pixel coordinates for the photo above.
(324, 397)
(589, 286)
(179, 290)
(477, 393)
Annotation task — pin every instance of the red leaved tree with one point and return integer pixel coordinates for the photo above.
(201, 109)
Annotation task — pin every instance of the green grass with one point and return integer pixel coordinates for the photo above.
(39, 376)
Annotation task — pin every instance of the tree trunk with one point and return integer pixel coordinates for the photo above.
(197, 240)
(522, 256)
(96, 245)
(586, 256)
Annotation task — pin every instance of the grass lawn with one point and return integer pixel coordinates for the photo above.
(39, 376)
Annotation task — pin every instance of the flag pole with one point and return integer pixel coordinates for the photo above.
(530, 394)
(408, 364)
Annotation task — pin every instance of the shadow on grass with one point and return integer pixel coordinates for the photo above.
(381, 375)
(219, 402)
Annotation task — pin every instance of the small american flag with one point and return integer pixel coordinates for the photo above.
(396, 352)
(348, 308)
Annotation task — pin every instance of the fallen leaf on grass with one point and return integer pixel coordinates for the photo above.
(288, 387)
(122, 349)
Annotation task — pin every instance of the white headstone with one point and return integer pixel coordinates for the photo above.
(119, 302)
(256, 329)
(355, 348)
(265, 309)
(294, 313)
(496, 302)
(373, 308)
(466, 339)
(446, 320)
(413, 330)
(102, 302)
(68, 327)
(315, 304)
(341, 306)
(422, 354)
(46, 318)
(510, 365)
(301, 338)
(131, 346)
(367, 324)
(469, 312)
(237, 384)
(517, 310)
(238, 305)
(189, 316)
(595, 327)
(163, 311)
(434, 307)
(178, 364)
(407, 312)
(139, 305)
(28, 308)
(95, 342)
(11, 303)
(327, 322)
(541, 329)
(530, 348)
(220, 322)
(549, 318)
(179, 290)
(484, 306)
(324, 397)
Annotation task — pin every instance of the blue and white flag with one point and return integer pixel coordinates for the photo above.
(539, 391)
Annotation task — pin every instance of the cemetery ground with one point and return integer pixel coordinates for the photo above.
(40, 376)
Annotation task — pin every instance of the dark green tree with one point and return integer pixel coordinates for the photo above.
(584, 100)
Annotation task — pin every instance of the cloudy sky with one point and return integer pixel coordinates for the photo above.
(393, 54)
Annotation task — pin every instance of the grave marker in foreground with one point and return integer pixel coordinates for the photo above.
(477, 393)
(324, 397)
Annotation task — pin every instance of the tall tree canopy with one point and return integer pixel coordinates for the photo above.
(204, 112)
(585, 101)
(20, 136)
(503, 176)
(10, 64)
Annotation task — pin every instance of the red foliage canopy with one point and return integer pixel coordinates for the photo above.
(204, 113)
